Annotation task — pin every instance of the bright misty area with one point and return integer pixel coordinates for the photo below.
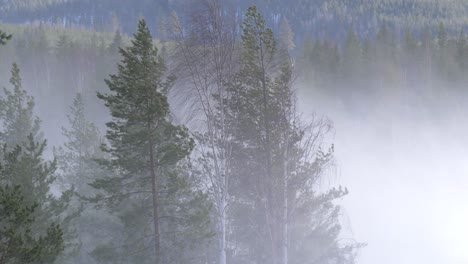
(233, 132)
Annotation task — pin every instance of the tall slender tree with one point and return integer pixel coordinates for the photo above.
(19, 243)
(286, 35)
(207, 56)
(21, 131)
(146, 147)
(77, 167)
(258, 53)
(276, 163)
(17, 113)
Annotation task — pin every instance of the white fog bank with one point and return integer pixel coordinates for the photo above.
(406, 167)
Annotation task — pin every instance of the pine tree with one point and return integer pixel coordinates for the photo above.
(77, 166)
(385, 45)
(352, 56)
(462, 51)
(21, 132)
(252, 91)
(17, 113)
(83, 142)
(67, 68)
(111, 56)
(442, 36)
(116, 43)
(286, 36)
(146, 149)
(409, 56)
(277, 215)
(19, 244)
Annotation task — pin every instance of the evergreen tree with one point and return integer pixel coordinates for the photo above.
(145, 149)
(277, 215)
(16, 113)
(83, 142)
(116, 44)
(352, 55)
(462, 52)
(113, 52)
(21, 130)
(77, 166)
(286, 36)
(18, 243)
(442, 36)
(251, 92)
(66, 67)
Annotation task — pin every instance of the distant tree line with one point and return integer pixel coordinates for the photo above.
(422, 63)
(309, 18)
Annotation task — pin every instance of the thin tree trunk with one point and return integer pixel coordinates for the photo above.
(222, 235)
(285, 244)
(154, 185)
(270, 214)
(214, 63)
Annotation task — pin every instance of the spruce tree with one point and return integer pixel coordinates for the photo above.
(78, 168)
(21, 241)
(18, 243)
(21, 132)
(352, 55)
(17, 113)
(462, 52)
(146, 148)
(442, 36)
(82, 145)
(286, 35)
(277, 215)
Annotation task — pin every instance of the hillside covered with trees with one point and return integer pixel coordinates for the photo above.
(309, 18)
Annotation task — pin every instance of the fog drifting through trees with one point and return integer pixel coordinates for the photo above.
(407, 176)
(388, 111)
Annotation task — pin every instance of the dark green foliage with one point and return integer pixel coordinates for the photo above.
(272, 167)
(24, 165)
(4, 37)
(140, 111)
(154, 198)
(376, 61)
(415, 63)
(16, 112)
(19, 244)
(139, 99)
(352, 55)
(314, 17)
(27, 234)
(82, 145)
(77, 167)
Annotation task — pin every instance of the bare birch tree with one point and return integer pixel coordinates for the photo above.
(205, 53)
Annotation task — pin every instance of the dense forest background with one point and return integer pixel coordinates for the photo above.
(308, 18)
(418, 60)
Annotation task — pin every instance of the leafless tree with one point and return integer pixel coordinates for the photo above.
(205, 56)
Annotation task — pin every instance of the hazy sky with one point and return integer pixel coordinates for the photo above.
(407, 176)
